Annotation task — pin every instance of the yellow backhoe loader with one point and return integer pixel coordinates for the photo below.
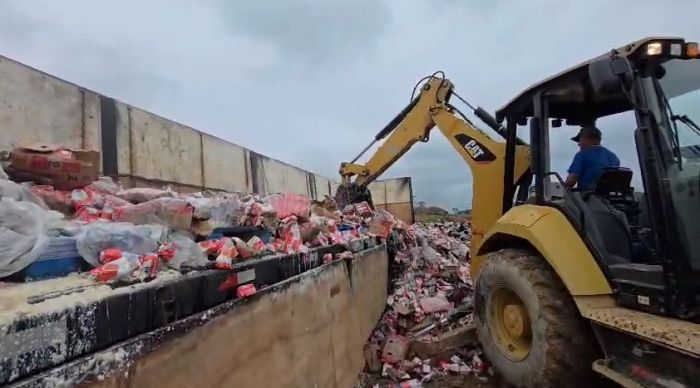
(569, 281)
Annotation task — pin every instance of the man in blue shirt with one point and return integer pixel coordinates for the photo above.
(590, 160)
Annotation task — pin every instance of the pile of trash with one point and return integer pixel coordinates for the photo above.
(51, 197)
(426, 335)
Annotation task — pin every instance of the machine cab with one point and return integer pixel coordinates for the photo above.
(647, 244)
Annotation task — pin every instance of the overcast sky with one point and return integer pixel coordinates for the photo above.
(310, 82)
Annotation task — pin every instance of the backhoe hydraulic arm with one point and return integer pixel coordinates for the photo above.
(484, 155)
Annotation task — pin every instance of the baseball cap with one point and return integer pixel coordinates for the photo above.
(588, 131)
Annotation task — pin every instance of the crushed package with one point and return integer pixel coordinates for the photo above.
(426, 335)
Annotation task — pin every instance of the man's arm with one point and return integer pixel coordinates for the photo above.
(574, 171)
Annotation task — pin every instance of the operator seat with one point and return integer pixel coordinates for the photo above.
(614, 184)
(609, 203)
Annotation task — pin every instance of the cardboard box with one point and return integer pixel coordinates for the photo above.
(62, 168)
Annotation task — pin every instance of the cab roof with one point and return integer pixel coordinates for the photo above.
(569, 93)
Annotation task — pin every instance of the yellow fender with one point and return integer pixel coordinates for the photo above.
(549, 232)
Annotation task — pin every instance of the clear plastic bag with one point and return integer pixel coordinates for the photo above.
(22, 234)
(106, 185)
(18, 192)
(97, 236)
(187, 251)
(221, 212)
(173, 212)
(144, 194)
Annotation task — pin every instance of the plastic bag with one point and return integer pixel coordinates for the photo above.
(257, 213)
(22, 234)
(173, 212)
(138, 239)
(187, 251)
(17, 192)
(221, 212)
(226, 254)
(290, 204)
(105, 185)
(290, 234)
(144, 194)
(120, 268)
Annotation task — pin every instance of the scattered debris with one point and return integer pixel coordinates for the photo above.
(429, 307)
(395, 348)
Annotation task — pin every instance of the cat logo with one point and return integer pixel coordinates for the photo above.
(474, 149)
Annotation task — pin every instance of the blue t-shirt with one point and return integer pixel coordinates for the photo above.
(589, 162)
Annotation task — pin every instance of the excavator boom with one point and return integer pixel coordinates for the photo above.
(484, 155)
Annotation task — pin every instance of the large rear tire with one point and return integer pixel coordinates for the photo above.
(528, 324)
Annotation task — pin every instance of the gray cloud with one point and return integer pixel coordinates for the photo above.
(310, 82)
(314, 32)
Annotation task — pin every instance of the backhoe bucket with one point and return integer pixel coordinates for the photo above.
(348, 194)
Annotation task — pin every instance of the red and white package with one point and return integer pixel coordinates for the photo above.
(256, 245)
(227, 253)
(149, 265)
(244, 251)
(245, 290)
(211, 247)
(277, 245)
(119, 269)
(362, 209)
(380, 227)
(327, 258)
(166, 251)
(291, 235)
(110, 254)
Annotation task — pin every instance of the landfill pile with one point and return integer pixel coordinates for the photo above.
(426, 335)
(57, 217)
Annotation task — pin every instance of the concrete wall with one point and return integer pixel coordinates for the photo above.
(141, 148)
(307, 331)
(37, 107)
(394, 195)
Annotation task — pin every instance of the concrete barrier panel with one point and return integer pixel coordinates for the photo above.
(164, 150)
(398, 190)
(226, 165)
(404, 211)
(307, 331)
(123, 138)
(92, 134)
(36, 107)
(322, 187)
(378, 191)
(271, 176)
